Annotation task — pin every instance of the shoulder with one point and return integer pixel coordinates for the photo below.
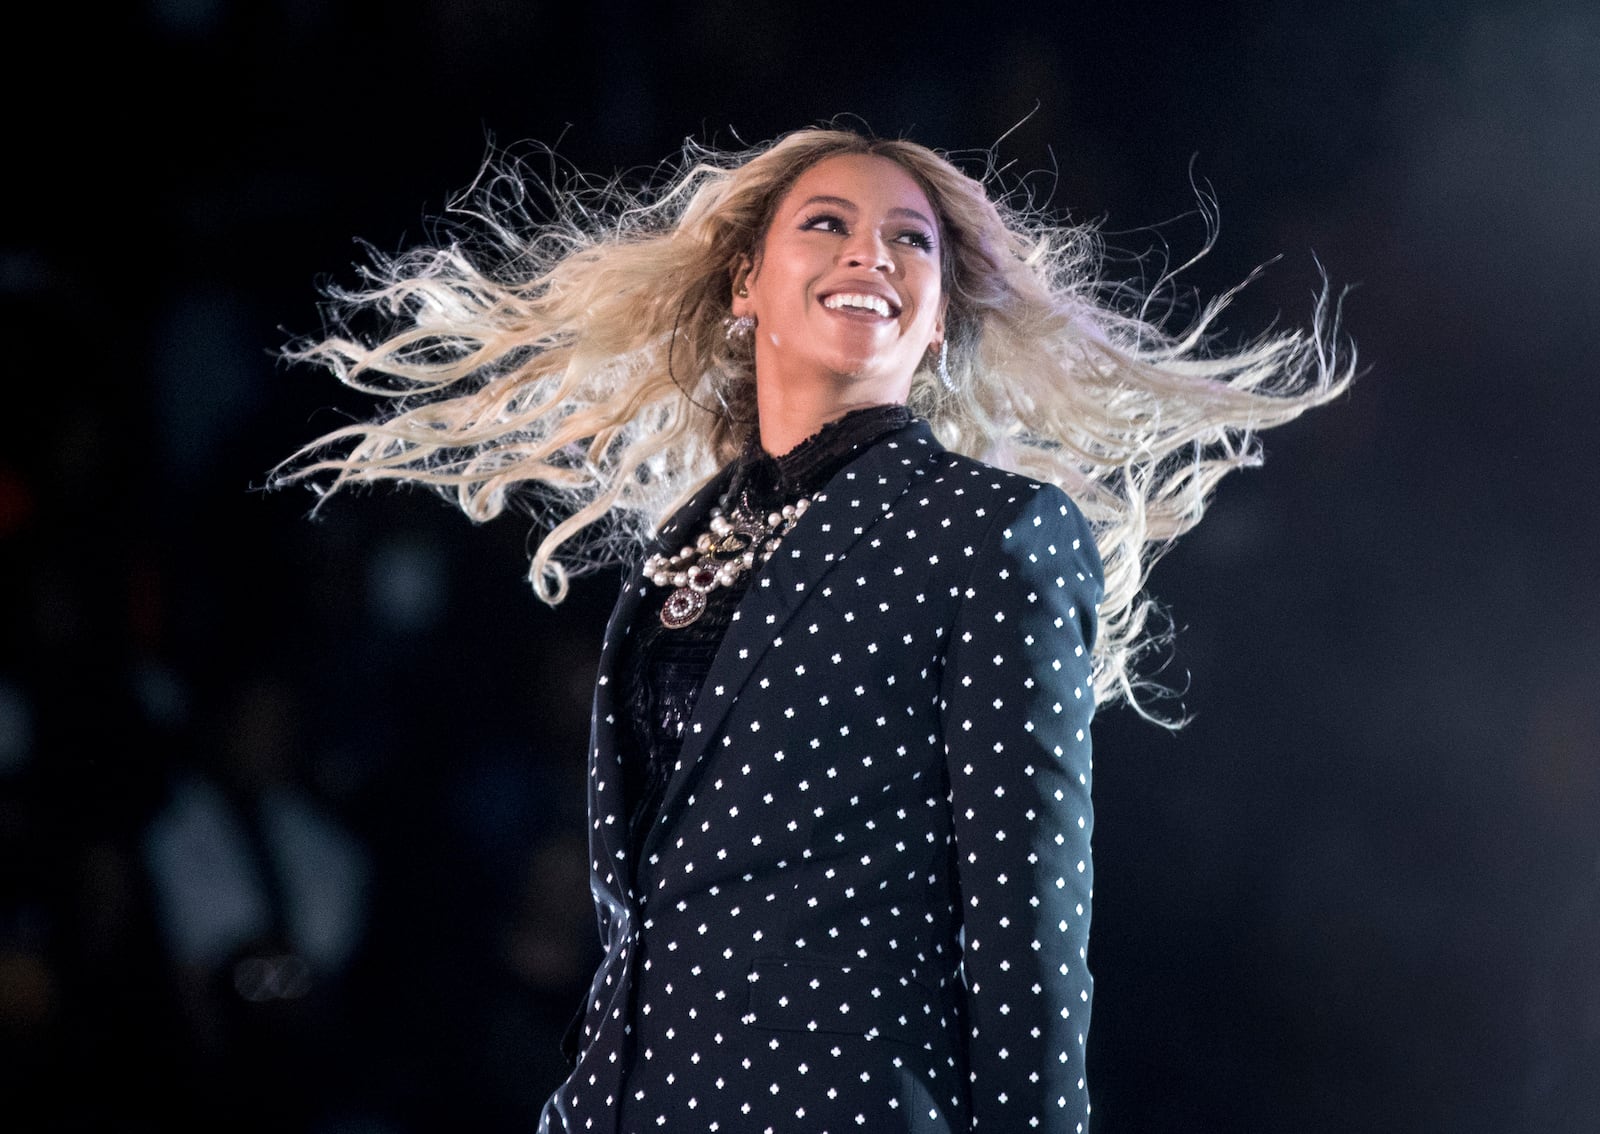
(998, 499)
(975, 477)
(1023, 539)
(946, 496)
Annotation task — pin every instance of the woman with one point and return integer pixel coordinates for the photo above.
(839, 791)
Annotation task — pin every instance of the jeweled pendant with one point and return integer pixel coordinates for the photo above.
(702, 576)
(682, 607)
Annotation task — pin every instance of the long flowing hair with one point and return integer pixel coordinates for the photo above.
(562, 348)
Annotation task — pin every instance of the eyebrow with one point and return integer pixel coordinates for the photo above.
(845, 203)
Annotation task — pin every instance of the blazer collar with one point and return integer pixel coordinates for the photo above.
(609, 824)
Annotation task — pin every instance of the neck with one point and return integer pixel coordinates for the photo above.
(788, 416)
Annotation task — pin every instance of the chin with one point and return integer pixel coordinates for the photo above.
(868, 367)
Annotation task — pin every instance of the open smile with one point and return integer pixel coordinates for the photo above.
(861, 303)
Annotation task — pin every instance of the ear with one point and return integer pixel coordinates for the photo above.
(744, 274)
(938, 323)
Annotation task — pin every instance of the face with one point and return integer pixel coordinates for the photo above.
(845, 287)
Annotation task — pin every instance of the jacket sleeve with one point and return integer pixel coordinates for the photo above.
(1017, 699)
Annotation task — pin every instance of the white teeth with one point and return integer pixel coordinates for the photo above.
(849, 299)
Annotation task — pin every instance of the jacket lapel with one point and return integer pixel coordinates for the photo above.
(840, 515)
(609, 822)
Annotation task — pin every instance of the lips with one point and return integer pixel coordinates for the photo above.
(865, 302)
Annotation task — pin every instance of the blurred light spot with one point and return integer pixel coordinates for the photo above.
(161, 694)
(27, 990)
(16, 728)
(405, 586)
(187, 18)
(16, 502)
(24, 273)
(259, 979)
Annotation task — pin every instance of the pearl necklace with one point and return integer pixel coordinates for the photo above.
(737, 541)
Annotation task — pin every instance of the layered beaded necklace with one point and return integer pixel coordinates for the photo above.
(738, 539)
(744, 535)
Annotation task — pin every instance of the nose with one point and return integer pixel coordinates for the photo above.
(866, 249)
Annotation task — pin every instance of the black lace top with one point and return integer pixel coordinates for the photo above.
(663, 669)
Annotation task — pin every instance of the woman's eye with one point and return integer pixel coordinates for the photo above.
(831, 222)
(824, 222)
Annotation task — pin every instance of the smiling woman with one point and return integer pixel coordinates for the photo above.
(844, 293)
(889, 476)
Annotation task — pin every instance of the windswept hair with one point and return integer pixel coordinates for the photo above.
(568, 355)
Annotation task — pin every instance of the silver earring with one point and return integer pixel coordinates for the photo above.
(739, 329)
(943, 369)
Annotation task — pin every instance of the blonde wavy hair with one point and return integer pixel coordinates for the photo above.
(569, 356)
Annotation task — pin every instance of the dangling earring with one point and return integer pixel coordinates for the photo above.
(738, 330)
(672, 341)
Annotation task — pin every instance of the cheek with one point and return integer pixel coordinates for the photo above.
(781, 282)
(932, 304)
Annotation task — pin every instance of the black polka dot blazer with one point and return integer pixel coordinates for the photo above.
(865, 902)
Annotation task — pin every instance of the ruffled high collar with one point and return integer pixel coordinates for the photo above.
(765, 480)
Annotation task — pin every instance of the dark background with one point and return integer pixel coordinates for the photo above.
(1360, 892)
